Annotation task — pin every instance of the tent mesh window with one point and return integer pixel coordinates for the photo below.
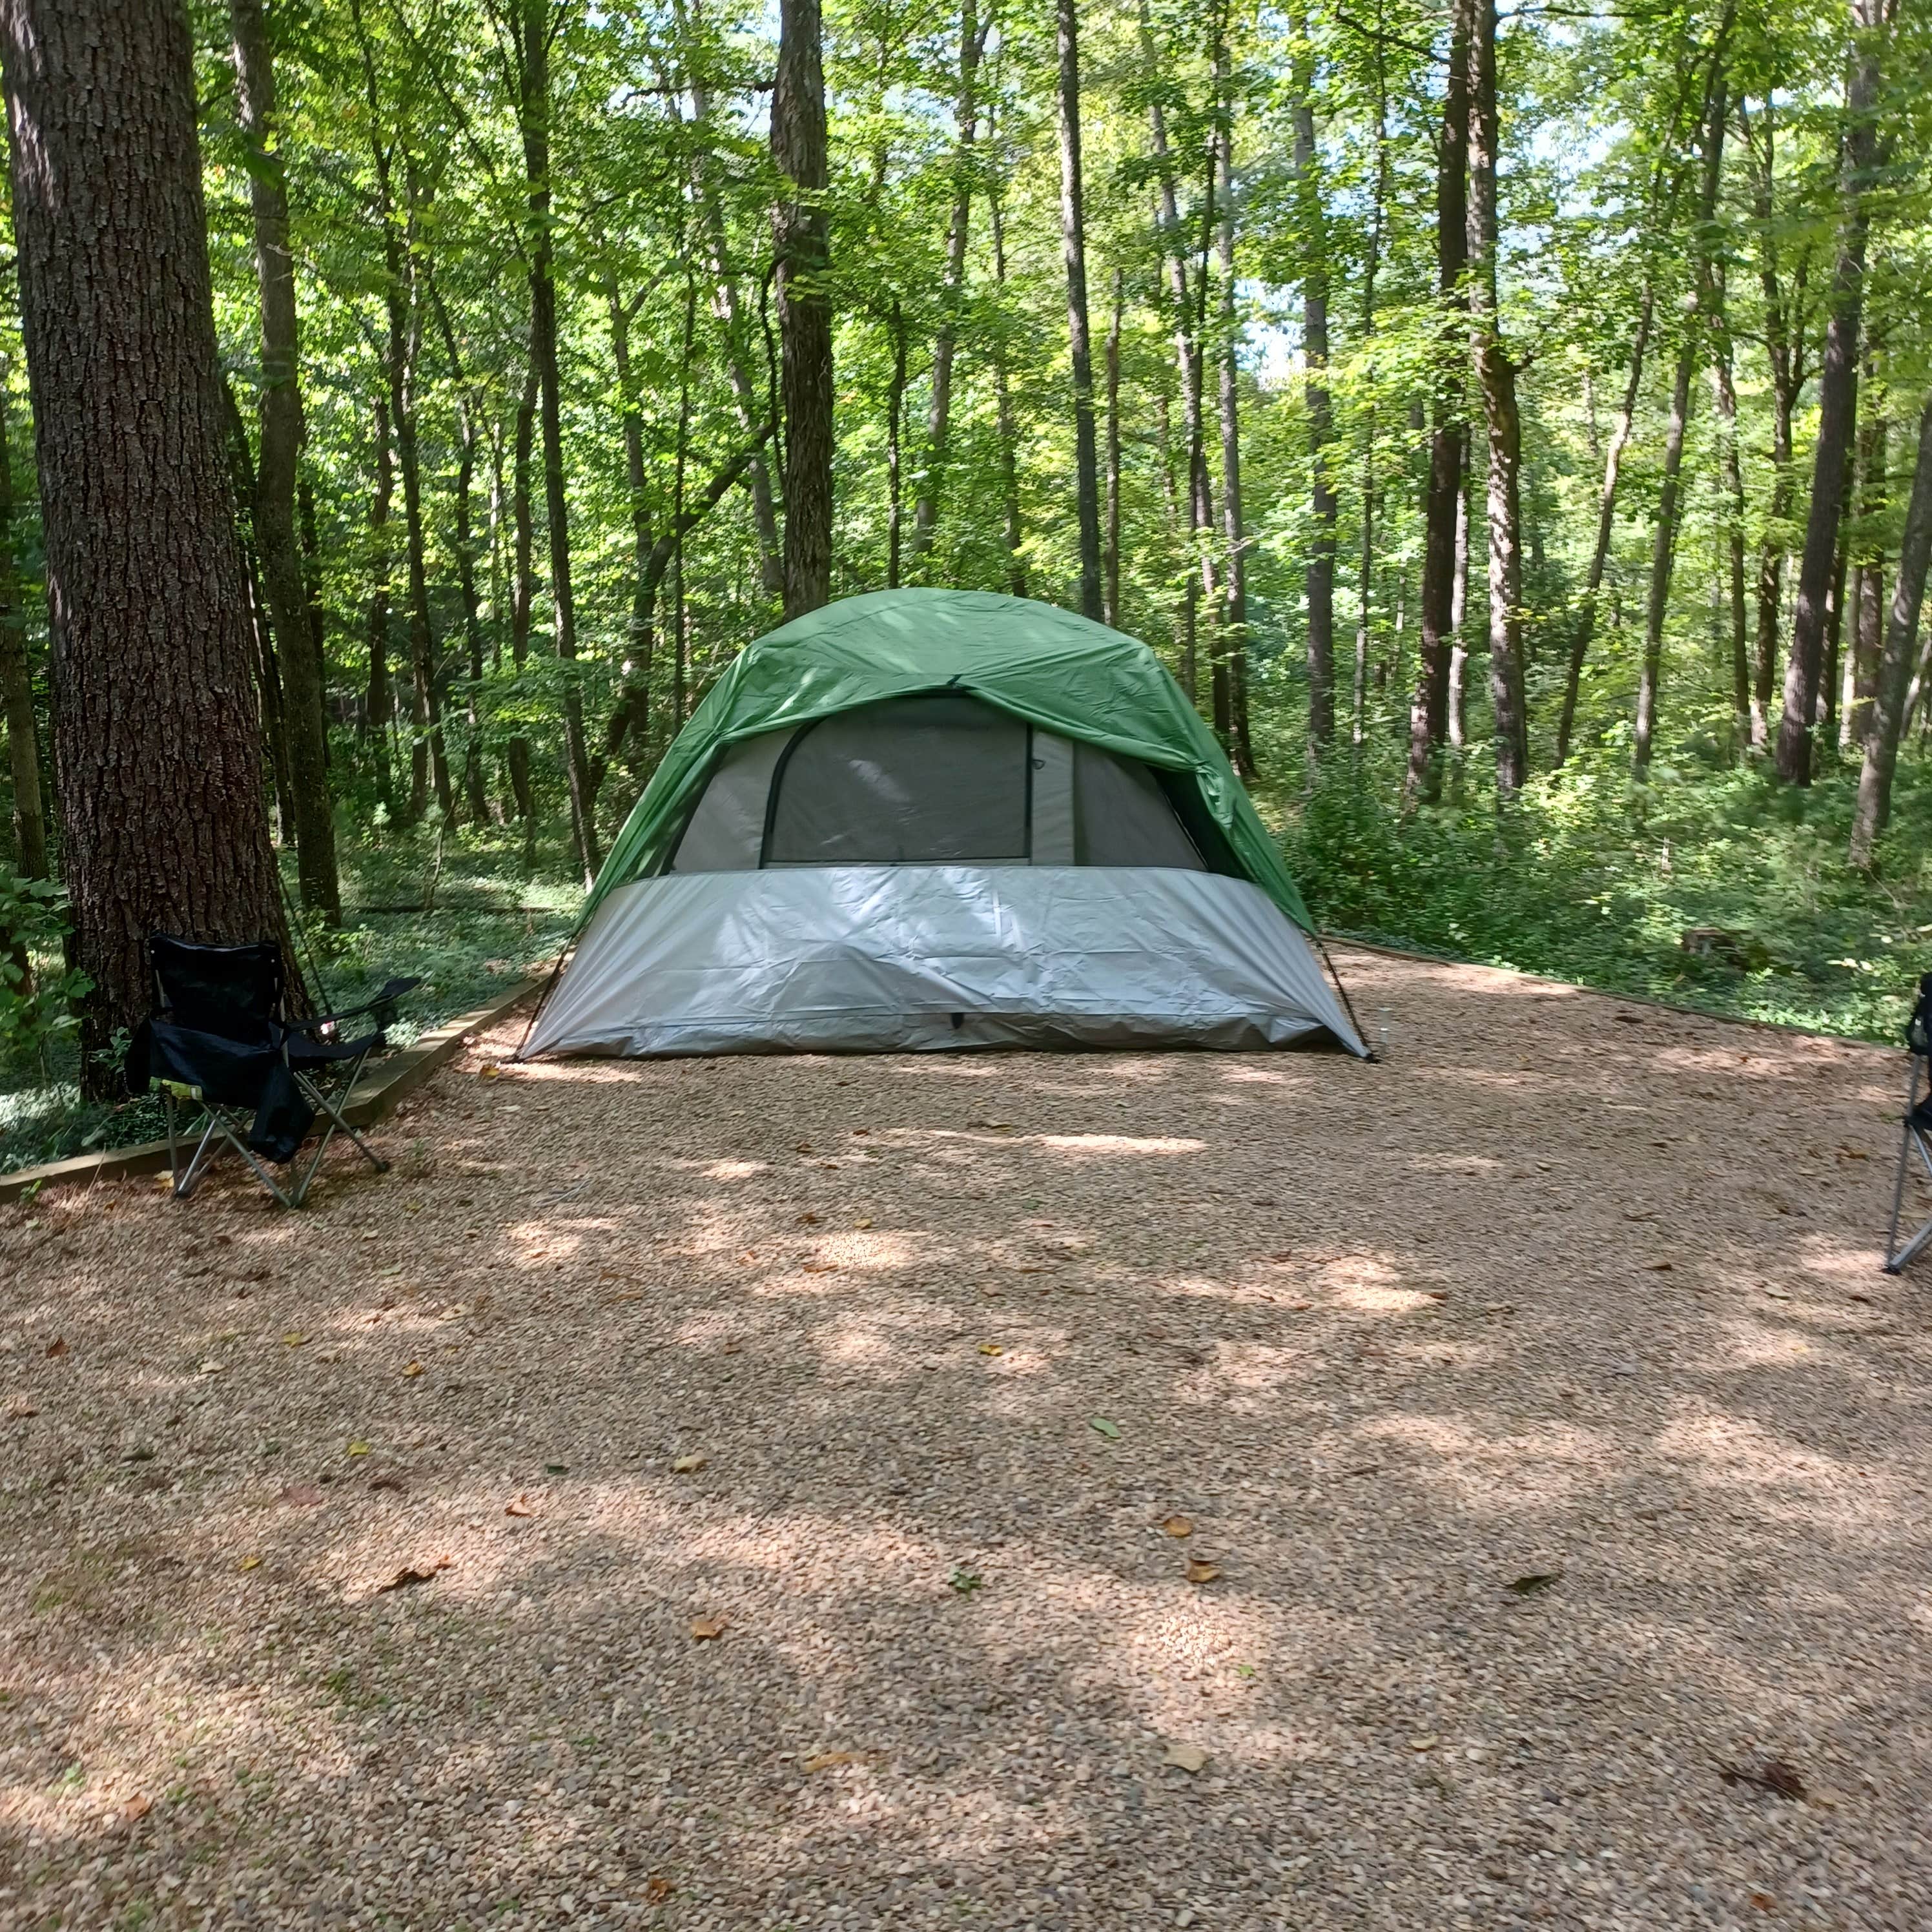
(942, 779)
(914, 781)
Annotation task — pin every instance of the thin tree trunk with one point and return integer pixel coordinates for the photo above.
(1110, 608)
(305, 722)
(533, 107)
(1725, 395)
(1867, 599)
(429, 764)
(1607, 517)
(1073, 243)
(1664, 548)
(1003, 422)
(894, 473)
(523, 595)
(640, 638)
(1458, 604)
(1371, 265)
(1321, 575)
(939, 410)
(16, 684)
(1838, 401)
(802, 258)
(469, 408)
(380, 707)
(1234, 627)
(1496, 373)
(1881, 760)
(156, 735)
(1442, 511)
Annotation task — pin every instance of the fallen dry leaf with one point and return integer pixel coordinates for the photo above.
(249, 1563)
(58, 1346)
(1201, 1572)
(864, 1221)
(808, 1220)
(1178, 1525)
(518, 1506)
(357, 1449)
(991, 1349)
(1424, 1743)
(689, 1465)
(705, 1630)
(304, 1495)
(407, 1578)
(828, 1760)
(1534, 1583)
(1189, 1758)
(1771, 1775)
(20, 1408)
(134, 1809)
(415, 1369)
(294, 1339)
(657, 1888)
(1765, 1901)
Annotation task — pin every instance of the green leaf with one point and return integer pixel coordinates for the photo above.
(1111, 1430)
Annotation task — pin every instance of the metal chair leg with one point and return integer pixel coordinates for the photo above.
(1895, 1257)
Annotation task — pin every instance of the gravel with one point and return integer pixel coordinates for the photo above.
(1566, 1289)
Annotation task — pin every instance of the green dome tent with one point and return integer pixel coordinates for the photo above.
(931, 818)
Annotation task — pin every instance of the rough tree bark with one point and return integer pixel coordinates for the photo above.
(1321, 576)
(304, 722)
(1496, 374)
(1837, 398)
(802, 249)
(1073, 244)
(523, 591)
(1866, 597)
(939, 409)
(1428, 717)
(157, 743)
(1874, 804)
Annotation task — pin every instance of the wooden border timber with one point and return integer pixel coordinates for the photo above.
(399, 1074)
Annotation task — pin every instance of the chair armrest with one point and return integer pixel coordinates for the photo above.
(391, 993)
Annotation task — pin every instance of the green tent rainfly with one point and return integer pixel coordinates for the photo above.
(940, 818)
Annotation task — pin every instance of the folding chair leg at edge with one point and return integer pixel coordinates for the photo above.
(218, 1131)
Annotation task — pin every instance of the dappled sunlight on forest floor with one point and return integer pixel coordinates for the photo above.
(788, 1455)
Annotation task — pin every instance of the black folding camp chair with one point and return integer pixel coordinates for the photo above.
(1917, 1127)
(222, 1037)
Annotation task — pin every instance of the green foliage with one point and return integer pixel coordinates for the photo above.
(36, 992)
(1588, 879)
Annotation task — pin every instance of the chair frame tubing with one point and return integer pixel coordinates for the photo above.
(1896, 1257)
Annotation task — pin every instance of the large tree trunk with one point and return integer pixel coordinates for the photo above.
(1607, 520)
(304, 722)
(1663, 547)
(1874, 804)
(533, 108)
(1428, 718)
(1073, 243)
(17, 686)
(1838, 401)
(1232, 657)
(1005, 426)
(157, 744)
(1496, 373)
(802, 260)
(1321, 578)
(939, 409)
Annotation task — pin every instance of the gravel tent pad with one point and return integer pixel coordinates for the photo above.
(897, 1375)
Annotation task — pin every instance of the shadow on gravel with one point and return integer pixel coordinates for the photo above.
(789, 1453)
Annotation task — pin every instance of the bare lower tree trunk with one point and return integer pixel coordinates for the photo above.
(468, 410)
(1607, 517)
(803, 255)
(1233, 654)
(1837, 400)
(1371, 265)
(1458, 604)
(1321, 576)
(380, 703)
(640, 638)
(895, 420)
(1725, 395)
(304, 722)
(1874, 804)
(1496, 374)
(522, 593)
(1005, 426)
(1866, 601)
(156, 739)
(533, 41)
(1429, 713)
(1110, 603)
(268, 673)
(1073, 244)
(939, 410)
